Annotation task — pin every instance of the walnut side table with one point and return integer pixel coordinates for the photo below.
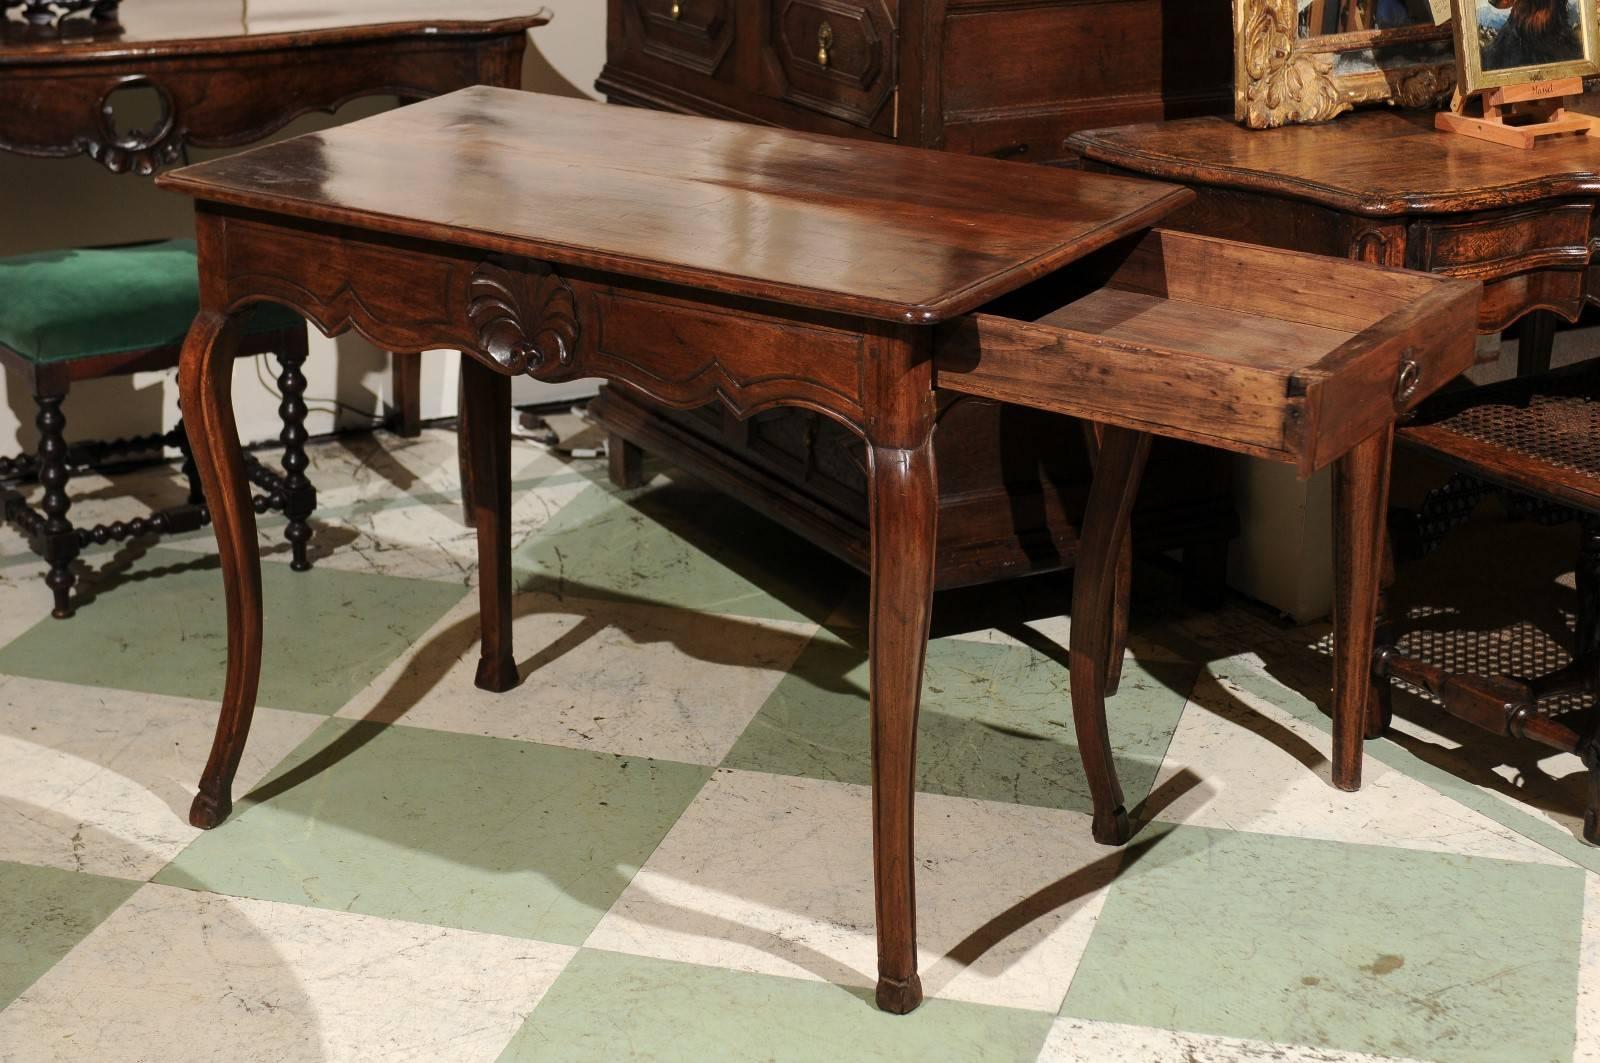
(1383, 186)
(565, 239)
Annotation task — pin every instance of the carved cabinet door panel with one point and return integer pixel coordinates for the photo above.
(696, 34)
(836, 57)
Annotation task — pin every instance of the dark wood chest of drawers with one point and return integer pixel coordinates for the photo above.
(1009, 78)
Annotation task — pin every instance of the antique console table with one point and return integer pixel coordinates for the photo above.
(228, 72)
(693, 261)
(1383, 186)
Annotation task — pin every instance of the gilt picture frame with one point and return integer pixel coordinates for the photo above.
(1501, 43)
(1281, 77)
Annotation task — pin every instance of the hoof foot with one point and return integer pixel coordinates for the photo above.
(1111, 828)
(299, 566)
(208, 810)
(897, 997)
(497, 676)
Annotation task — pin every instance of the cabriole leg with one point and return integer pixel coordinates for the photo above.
(205, 376)
(903, 513)
(904, 505)
(1095, 593)
(486, 408)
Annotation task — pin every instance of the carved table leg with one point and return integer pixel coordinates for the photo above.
(625, 462)
(1536, 335)
(1094, 435)
(205, 376)
(1586, 663)
(405, 376)
(191, 471)
(1095, 589)
(1361, 496)
(486, 406)
(903, 511)
(57, 542)
(904, 517)
(299, 497)
(1380, 699)
(1586, 646)
(463, 434)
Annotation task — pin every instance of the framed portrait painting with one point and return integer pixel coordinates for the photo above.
(1501, 43)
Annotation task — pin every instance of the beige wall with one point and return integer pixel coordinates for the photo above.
(47, 203)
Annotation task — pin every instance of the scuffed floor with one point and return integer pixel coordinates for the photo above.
(658, 847)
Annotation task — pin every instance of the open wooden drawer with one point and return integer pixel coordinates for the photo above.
(1274, 353)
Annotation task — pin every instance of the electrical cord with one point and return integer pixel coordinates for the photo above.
(328, 406)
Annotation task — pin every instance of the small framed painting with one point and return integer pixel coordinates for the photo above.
(1502, 43)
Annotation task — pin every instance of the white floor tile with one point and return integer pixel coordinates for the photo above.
(773, 874)
(175, 976)
(100, 780)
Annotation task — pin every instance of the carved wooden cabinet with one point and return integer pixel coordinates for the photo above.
(1009, 78)
(995, 77)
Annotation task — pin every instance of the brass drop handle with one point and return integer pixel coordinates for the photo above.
(677, 10)
(1408, 379)
(824, 42)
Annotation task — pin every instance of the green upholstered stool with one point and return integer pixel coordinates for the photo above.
(83, 314)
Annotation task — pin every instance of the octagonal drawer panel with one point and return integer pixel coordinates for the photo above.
(696, 34)
(834, 56)
(1508, 243)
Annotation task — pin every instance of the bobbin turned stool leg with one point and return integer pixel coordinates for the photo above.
(57, 540)
(299, 496)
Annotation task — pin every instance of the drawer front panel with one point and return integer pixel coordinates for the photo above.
(1502, 245)
(836, 57)
(695, 34)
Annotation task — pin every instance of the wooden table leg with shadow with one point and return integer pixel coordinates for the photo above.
(697, 261)
(1279, 355)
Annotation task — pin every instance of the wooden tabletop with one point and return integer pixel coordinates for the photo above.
(1377, 162)
(876, 230)
(151, 28)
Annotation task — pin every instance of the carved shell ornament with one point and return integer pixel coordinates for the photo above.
(1283, 86)
(526, 319)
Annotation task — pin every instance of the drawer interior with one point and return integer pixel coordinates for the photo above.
(1220, 332)
(1257, 350)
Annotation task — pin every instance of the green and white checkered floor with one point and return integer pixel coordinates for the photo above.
(658, 847)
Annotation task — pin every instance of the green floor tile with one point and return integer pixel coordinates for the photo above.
(682, 545)
(996, 723)
(44, 912)
(1361, 948)
(607, 1006)
(162, 630)
(454, 830)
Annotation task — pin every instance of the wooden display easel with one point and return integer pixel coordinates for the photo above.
(1519, 116)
